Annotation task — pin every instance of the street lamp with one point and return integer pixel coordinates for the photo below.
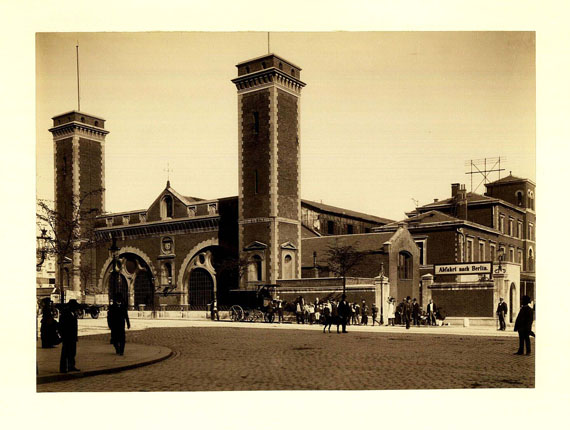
(42, 248)
(381, 293)
(501, 270)
(113, 250)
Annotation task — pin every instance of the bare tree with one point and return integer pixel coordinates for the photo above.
(235, 267)
(342, 259)
(70, 230)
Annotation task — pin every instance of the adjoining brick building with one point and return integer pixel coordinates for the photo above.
(186, 250)
(497, 227)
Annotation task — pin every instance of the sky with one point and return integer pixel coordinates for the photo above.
(387, 118)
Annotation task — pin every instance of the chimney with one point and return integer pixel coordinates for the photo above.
(461, 202)
(435, 200)
(454, 189)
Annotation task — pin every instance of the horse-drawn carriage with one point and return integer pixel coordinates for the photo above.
(263, 309)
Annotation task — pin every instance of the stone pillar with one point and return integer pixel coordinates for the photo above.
(381, 294)
(427, 282)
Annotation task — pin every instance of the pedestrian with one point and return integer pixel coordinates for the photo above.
(523, 325)
(327, 314)
(68, 332)
(431, 313)
(317, 313)
(214, 314)
(311, 313)
(334, 315)
(117, 316)
(407, 309)
(299, 312)
(502, 309)
(374, 314)
(48, 330)
(391, 311)
(352, 314)
(356, 313)
(343, 313)
(279, 305)
(364, 312)
(416, 312)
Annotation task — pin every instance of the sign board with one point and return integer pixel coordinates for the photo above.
(463, 268)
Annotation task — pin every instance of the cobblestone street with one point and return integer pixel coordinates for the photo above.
(221, 358)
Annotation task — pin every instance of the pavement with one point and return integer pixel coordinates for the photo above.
(95, 356)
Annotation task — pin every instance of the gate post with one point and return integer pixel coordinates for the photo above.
(427, 282)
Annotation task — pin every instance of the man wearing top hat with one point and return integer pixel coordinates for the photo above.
(68, 333)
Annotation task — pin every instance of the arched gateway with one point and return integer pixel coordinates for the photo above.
(131, 277)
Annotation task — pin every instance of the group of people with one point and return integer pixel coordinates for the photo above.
(53, 332)
(317, 312)
(409, 312)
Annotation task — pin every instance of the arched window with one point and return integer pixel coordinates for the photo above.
(263, 65)
(519, 196)
(288, 267)
(82, 119)
(166, 207)
(96, 123)
(293, 72)
(255, 269)
(530, 266)
(280, 65)
(404, 265)
(166, 274)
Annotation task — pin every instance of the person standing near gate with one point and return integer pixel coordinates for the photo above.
(502, 309)
(407, 310)
(279, 306)
(523, 325)
(431, 313)
(117, 316)
(416, 311)
(343, 313)
(68, 333)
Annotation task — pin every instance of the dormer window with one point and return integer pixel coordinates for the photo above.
(519, 197)
(191, 211)
(292, 72)
(109, 222)
(166, 207)
(82, 119)
(212, 209)
(263, 65)
(246, 69)
(96, 123)
(126, 219)
(280, 65)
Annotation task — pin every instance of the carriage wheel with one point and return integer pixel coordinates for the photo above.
(236, 313)
(94, 313)
(80, 313)
(269, 317)
(257, 316)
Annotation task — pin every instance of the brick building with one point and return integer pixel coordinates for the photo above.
(497, 227)
(187, 251)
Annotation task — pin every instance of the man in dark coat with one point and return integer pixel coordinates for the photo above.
(416, 311)
(502, 309)
(117, 316)
(68, 333)
(48, 329)
(343, 313)
(523, 325)
(407, 310)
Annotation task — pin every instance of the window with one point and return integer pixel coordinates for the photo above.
(530, 260)
(531, 199)
(293, 72)
(519, 196)
(255, 272)
(82, 119)
(263, 65)
(519, 229)
(280, 65)
(246, 69)
(530, 232)
(349, 229)
(481, 250)
(502, 223)
(256, 122)
(96, 123)
(191, 211)
(511, 227)
(493, 250)
(512, 255)
(166, 207)
(142, 217)
(212, 209)
(519, 257)
(421, 244)
(288, 267)
(469, 255)
(126, 219)
(109, 222)
(166, 274)
(330, 227)
(404, 265)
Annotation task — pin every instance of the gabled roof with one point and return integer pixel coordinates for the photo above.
(426, 218)
(361, 242)
(346, 212)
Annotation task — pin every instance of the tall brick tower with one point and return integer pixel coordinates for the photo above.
(79, 145)
(269, 90)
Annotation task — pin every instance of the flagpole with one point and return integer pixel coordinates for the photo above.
(77, 58)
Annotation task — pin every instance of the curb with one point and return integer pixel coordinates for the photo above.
(67, 376)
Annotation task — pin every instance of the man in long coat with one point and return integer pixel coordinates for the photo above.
(502, 309)
(343, 313)
(117, 316)
(523, 325)
(68, 333)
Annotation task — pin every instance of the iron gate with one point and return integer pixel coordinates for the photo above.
(200, 289)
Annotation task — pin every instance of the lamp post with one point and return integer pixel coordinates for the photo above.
(381, 293)
(113, 250)
(42, 242)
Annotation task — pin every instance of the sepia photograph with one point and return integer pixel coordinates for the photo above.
(285, 211)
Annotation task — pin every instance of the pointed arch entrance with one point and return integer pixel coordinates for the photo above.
(200, 288)
(132, 278)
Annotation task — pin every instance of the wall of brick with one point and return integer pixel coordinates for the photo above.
(255, 152)
(287, 156)
(464, 302)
